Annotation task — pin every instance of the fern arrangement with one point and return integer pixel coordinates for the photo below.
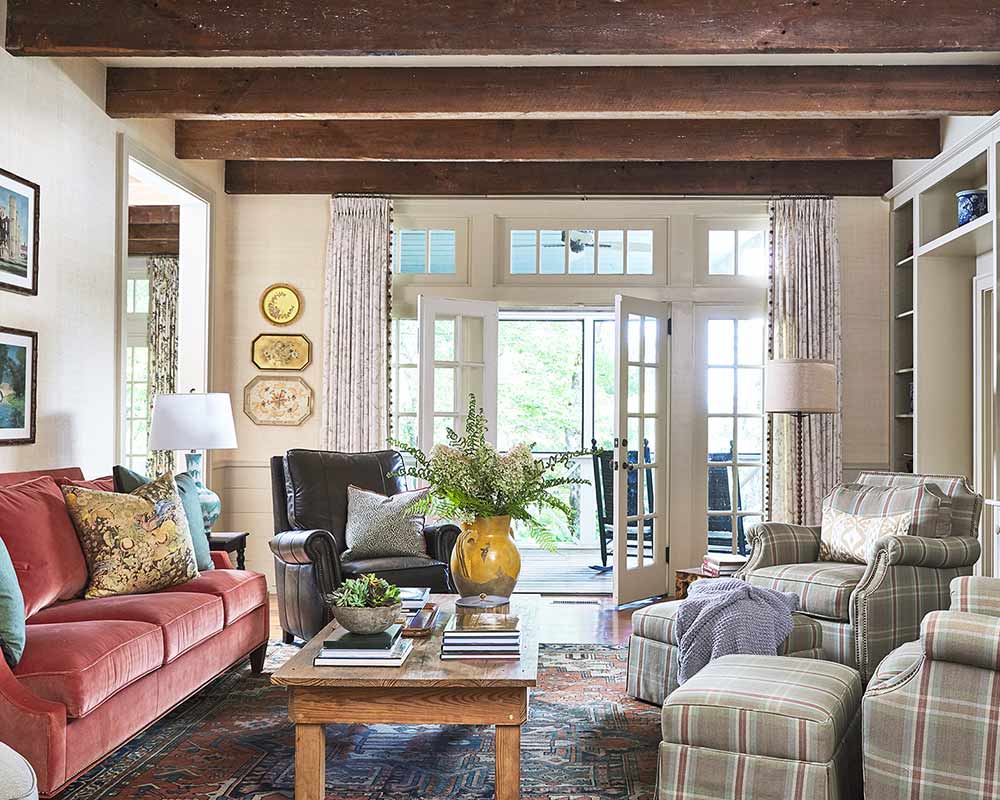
(469, 479)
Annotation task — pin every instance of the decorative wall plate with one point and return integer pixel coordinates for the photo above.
(287, 351)
(278, 401)
(281, 304)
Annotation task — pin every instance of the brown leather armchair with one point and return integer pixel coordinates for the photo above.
(309, 494)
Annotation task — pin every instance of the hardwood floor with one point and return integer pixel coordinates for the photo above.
(576, 619)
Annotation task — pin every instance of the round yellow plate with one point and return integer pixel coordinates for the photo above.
(280, 304)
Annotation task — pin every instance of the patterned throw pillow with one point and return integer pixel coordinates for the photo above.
(133, 543)
(12, 631)
(929, 507)
(849, 537)
(380, 526)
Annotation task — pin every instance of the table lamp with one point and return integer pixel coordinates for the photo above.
(800, 386)
(194, 422)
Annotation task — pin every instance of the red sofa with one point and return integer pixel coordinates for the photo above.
(96, 672)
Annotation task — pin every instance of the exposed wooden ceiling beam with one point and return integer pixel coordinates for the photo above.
(553, 92)
(560, 178)
(370, 27)
(558, 140)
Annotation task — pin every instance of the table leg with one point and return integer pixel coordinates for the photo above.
(508, 778)
(241, 556)
(310, 762)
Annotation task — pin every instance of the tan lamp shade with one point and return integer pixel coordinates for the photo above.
(800, 386)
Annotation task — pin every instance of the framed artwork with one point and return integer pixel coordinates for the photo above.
(18, 383)
(281, 304)
(18, 234)
(286, 351)
(278, 401)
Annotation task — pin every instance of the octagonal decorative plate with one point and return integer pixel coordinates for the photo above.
(278, 400)
(287, 351)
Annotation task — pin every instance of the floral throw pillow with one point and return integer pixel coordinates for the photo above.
(849, 537)
(380, 526)
(133, 543)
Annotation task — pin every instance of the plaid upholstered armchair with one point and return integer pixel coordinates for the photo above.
(867, 610)
(930, 725)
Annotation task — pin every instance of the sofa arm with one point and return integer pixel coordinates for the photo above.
(441, 538)
(316, 547)
(921, 551)
(962, 638)
(221, 560)
(976, 595)
(35, 727)
(774, 543)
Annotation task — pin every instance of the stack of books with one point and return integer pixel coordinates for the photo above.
(346, 649)
(722, 564)
(482, 636)
(413, 599)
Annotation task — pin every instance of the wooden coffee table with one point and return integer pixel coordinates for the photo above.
(424, 691)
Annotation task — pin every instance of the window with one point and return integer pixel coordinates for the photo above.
(424, 252)
(581, 252)
(733, 248)
(136, 428)
(405, 393)
(735, 382)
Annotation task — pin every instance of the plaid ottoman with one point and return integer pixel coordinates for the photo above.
(653, 655)
(770, 728)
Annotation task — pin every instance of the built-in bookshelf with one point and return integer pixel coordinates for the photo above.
(931, 341)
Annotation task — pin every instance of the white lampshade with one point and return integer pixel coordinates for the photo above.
(192, 422)
(800, 386)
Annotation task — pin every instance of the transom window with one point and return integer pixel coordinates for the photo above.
(422, 251)
(581, 252)
(735, 430)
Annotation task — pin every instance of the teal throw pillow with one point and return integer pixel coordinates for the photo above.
(127, 481)
(12, 631)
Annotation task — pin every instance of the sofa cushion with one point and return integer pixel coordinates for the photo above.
(379, 526)
(185, 617)
(42, 543)
(241, 591)
(135, 543)
(777, 706)
(105, 484)
(82, 664)
(127, 481)
(929, 506)
(824, 587)
(966, 504)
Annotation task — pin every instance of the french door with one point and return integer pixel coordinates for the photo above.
(458, 357)
(642, 384)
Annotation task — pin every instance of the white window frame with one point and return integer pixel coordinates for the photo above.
(460, 227)
(703, 315)
(702, 226)
(659, 227)
(395, 365)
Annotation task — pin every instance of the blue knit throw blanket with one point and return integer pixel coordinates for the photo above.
(724, 616)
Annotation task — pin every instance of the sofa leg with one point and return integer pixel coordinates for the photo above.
(257, 659)
(287, 638)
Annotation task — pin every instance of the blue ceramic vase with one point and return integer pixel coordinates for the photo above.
(211, 505)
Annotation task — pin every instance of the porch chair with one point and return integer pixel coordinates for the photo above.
(867, 610)
(604, 490)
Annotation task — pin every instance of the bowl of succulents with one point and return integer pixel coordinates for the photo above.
(365, 605)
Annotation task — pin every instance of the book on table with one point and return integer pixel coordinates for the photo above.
(414, 598)
(722, 564)
(482, 636)
(371, 643)
(393, 657)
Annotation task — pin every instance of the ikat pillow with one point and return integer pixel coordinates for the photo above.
(380, 526)
(850, 538)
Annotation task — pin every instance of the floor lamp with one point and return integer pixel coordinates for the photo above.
(799, 387)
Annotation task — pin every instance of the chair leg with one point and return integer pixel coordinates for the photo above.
(257, 659)
(287, 638)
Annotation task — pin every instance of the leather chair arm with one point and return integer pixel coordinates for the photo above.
(316, 547)
(441, 539)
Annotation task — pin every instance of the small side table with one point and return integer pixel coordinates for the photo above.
(231, 542)
(683, 578)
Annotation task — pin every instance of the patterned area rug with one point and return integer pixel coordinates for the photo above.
(584, 740)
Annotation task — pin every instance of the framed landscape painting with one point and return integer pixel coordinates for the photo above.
(18, 380)
(18, 234)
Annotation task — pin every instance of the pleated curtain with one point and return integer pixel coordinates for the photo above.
(356, 318)
(804, 322)
(161, 338)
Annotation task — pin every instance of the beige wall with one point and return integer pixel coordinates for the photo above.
(54, 131)
(283, 238)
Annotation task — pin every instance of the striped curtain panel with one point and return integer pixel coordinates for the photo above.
(357, 305)
(161, 337)
(804, 322)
